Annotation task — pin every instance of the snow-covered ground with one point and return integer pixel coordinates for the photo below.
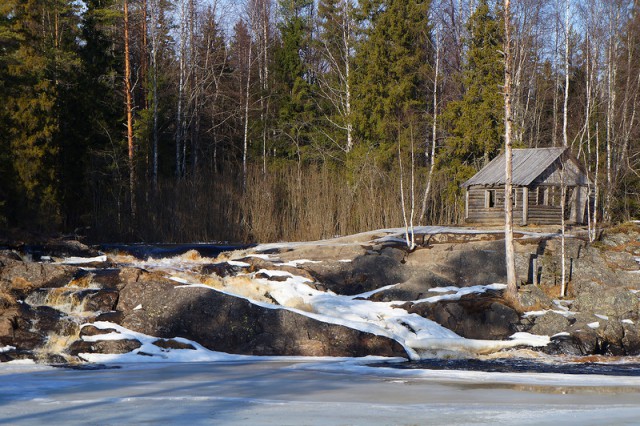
(321, 392)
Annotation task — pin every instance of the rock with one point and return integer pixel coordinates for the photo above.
(364, 273)
(597, 299)
(91, 330)
(21, 278)
(631, 339)
(103, 347)
(532, 298)
(99, 301)
(478, 317)
(229, 324)
(222, 269)
(472, 263)
(59, 248)
(172, 344)
(611, 334)
(27, 328)
(595, 267)
(114, 316)
(415, 288)
(564, 345)
(587, 341)
(550, 323)
(396, 254)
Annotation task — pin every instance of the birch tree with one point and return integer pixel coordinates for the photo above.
(431, 154)
(512, 289)
(337, 39)
(129, 109)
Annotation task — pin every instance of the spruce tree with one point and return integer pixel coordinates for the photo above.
(294, 78)
(475, 123)
(40, 63)
(391, 82)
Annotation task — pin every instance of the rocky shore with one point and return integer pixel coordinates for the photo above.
(52, 296)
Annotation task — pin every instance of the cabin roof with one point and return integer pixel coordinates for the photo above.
(528, 164)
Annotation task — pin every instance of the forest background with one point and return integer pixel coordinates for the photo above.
(262, 120)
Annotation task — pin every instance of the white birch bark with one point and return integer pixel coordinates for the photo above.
(512, 289)
(434, 131)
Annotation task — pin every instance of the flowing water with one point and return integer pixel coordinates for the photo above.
(622, 367)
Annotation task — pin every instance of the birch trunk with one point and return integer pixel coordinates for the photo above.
(129, 108)
(434, 129)
(246, 121)
(512, 289)
(565, 144)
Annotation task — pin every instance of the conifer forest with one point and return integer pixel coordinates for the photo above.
(266, 120)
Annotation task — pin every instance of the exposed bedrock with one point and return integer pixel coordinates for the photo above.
(478, 317)
(599, 315)
(230, 324)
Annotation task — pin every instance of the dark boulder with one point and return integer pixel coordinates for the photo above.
(173, 344)
(27, 328)
(122, 346)
(222, 269)
(229, 324)
(478, 317)
(551, 323)
(362, 274)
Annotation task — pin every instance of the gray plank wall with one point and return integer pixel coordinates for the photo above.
(479, 213)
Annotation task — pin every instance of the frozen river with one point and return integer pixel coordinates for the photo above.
(289, 392)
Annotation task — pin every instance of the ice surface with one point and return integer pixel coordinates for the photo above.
(288, 392)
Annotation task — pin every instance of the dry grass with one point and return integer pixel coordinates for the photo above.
(287, 203)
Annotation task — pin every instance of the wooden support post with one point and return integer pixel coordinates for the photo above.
(466, 203)
(525, 205)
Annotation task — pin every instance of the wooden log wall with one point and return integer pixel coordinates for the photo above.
(477, 212)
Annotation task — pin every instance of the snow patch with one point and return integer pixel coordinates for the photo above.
(604, 317)
(6, 348)
(627, 321)
(82, 260)
(368, 294)
(459, 292)
(295, 263)
(259, 256)
(593, 325)
(542, 312)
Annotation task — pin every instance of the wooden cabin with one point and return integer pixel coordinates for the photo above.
(538, 176)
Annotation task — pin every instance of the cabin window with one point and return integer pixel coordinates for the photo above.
(543, 197)
(514, 197)
(490, 198)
